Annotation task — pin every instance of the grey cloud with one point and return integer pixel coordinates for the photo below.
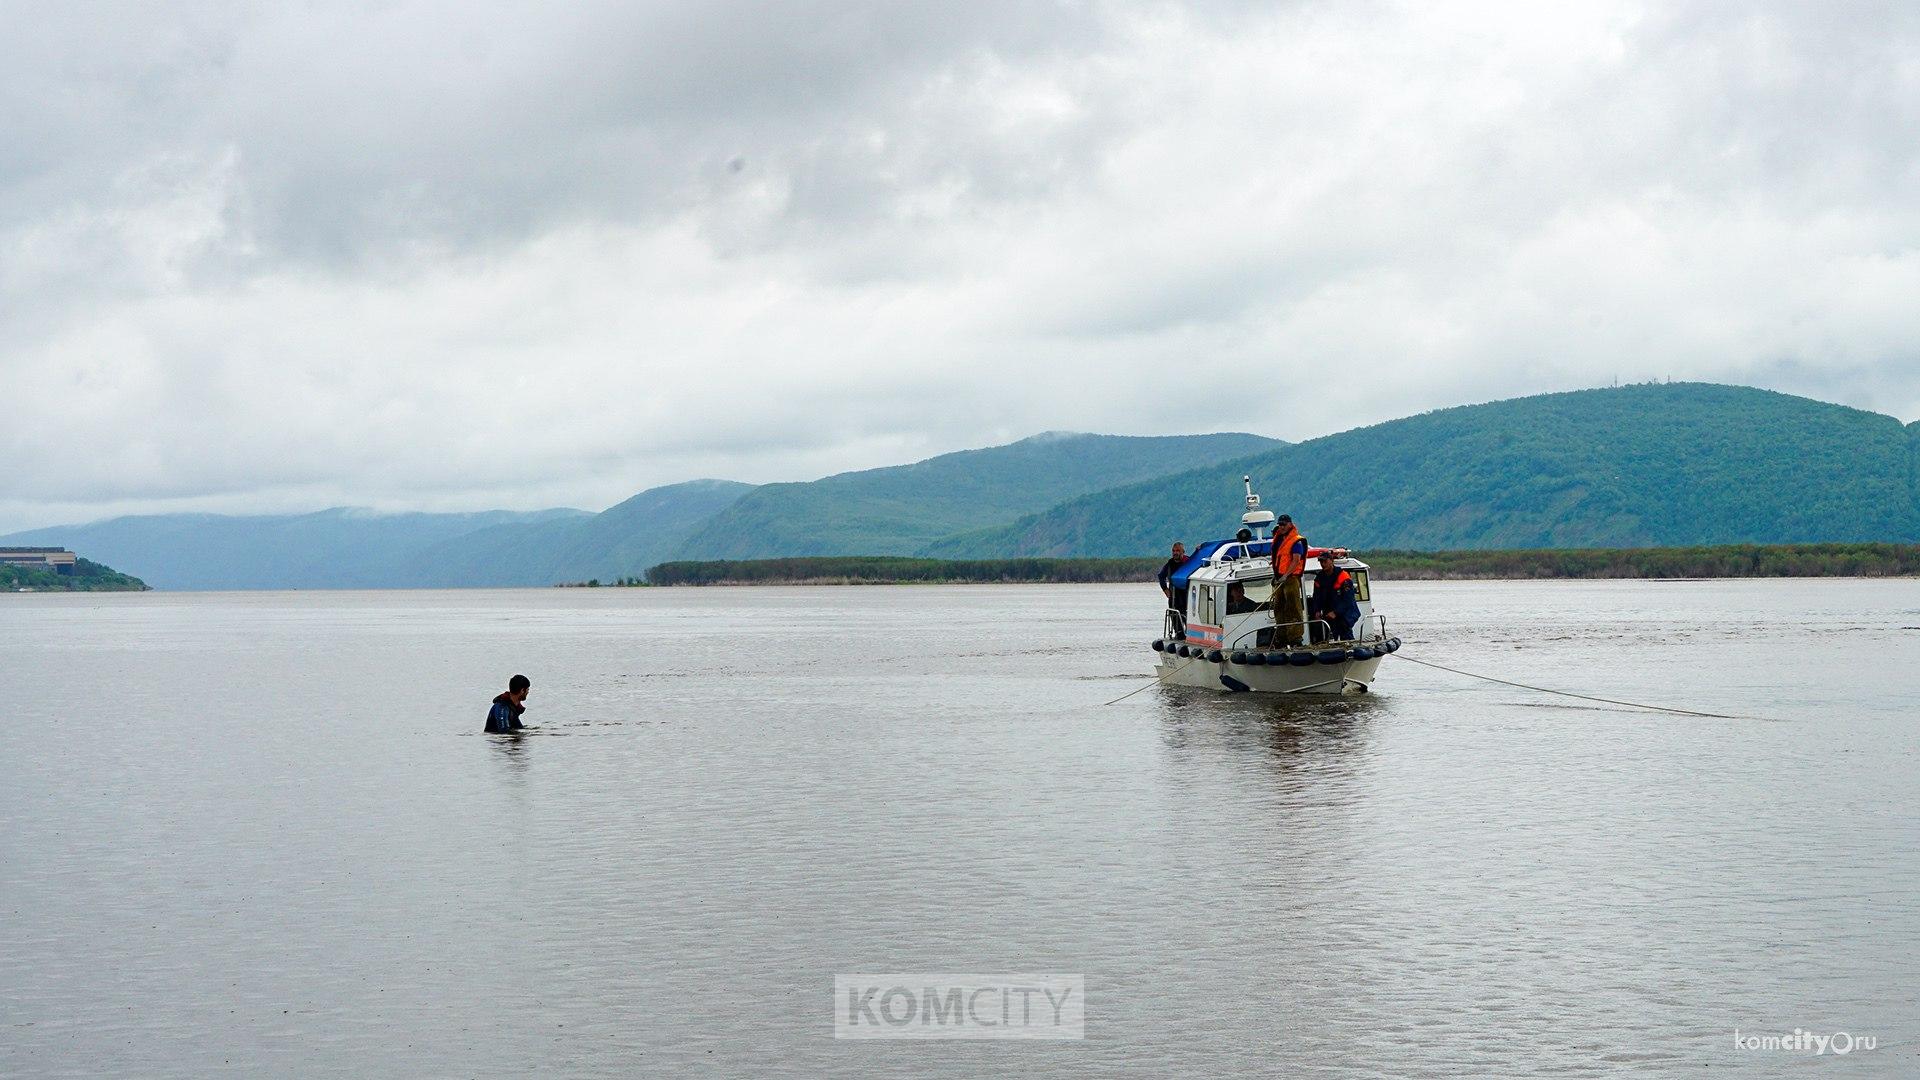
(356, 129)
(438, 254)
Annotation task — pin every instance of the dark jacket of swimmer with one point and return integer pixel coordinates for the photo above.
(505, 714)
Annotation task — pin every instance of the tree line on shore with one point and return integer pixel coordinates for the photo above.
(87, 576)
(1730, 561)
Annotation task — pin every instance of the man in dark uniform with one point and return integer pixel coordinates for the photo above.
(1335, 599)
(1176, 598)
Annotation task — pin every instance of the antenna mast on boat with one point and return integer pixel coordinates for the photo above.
(1258, 520)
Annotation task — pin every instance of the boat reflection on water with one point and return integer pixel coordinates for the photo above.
(1329, 736)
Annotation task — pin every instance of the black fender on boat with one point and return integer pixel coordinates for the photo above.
(1216, 657)
(1159, 645)
(1300, 659)
(1178, 650)
(1393, 644)
(1257, 659)
(1239, 656)
(1233, 684)
(1361, 652)
(1331, 656)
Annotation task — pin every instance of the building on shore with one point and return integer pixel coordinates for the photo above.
(58, 560)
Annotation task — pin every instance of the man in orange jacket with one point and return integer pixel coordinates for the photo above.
(1289, 566)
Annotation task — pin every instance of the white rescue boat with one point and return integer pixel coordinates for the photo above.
(1225, 635)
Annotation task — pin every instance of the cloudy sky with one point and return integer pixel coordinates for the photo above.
(452, 255)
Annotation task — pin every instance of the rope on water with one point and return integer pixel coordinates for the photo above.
(1472, 675)
(1565, 693)
(1181, 667)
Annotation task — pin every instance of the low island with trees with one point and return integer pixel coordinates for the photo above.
(87, 576)
(1729, 561)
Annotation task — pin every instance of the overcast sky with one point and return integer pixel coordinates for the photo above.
(453, 255)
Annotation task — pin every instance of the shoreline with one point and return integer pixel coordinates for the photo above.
(1865, 560)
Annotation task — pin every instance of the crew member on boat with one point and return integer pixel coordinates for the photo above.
(1289, 566)
(1238, 602)
(1176, 598)
(1335, 599)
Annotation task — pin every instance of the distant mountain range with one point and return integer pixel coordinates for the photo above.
(330, 549)
(891, 510)
(621, 541)
(902, 509)
(1633, 466)
(1636, 466)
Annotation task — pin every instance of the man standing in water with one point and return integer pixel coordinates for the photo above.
(1289, 566)
(505, 714)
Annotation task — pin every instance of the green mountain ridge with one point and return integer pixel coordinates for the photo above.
(897, 506)
(1669, 464)
(621, 541)
(1680, 465)
(899, 509)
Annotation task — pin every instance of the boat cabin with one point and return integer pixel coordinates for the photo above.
(1230, 590)
(1230, 595)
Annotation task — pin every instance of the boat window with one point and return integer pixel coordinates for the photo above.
(1359, 584)
(1206, 607)
(1208, 604)
(1253, 596)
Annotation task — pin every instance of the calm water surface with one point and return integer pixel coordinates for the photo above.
(261, 834)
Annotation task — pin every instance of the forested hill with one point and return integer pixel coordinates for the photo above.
(1633, 466)
(620, 541)
(896, 510)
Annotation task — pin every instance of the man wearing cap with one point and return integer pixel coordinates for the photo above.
(1289, 566)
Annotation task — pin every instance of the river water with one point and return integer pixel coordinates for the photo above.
(261, 834)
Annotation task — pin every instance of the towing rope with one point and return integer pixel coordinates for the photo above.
(1567, 693)
(1485, 678)
(1182, 667)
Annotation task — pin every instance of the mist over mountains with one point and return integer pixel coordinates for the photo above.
(1634, 466)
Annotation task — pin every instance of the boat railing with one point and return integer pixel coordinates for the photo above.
(1309, 624)
(1172, 625)
(1379, 622)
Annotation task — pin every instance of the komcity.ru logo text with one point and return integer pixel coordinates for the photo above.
(1806, 1041)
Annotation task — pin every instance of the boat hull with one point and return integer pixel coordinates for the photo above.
(1346, 677)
